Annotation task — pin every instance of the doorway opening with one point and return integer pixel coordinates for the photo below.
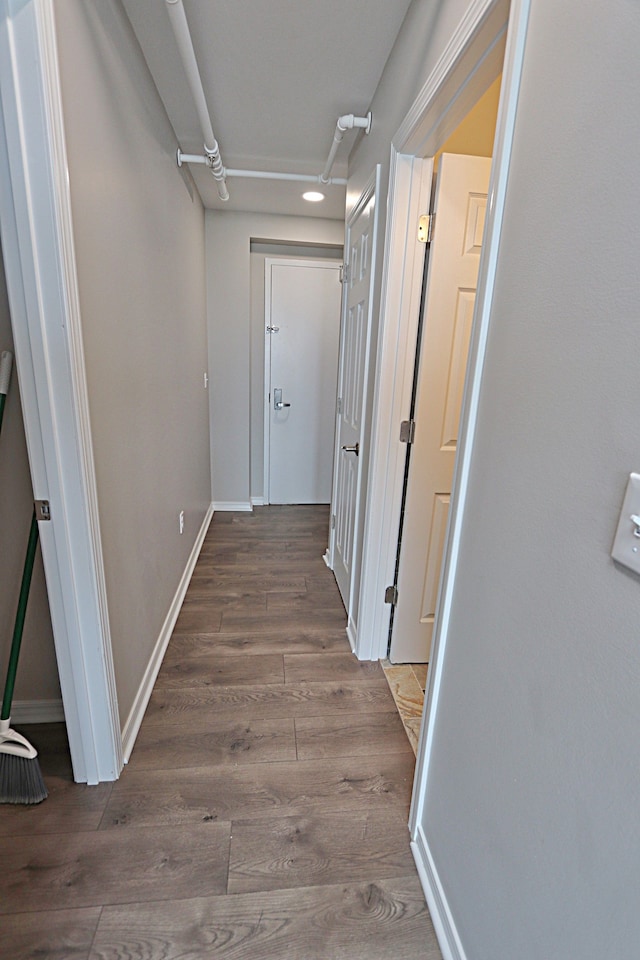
(36, 708)
(262, 250)
(442, 342)
(458, 205)
(302, 324)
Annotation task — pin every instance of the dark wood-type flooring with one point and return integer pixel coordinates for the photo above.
(263, 813)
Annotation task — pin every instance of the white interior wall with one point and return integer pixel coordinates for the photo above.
(236, 343)
(37, 678)
(139, 239)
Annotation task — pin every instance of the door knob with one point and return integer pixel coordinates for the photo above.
(354, 449)
(277, 400)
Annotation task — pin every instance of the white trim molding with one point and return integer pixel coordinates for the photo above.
(38, 247)
(229, 506)
(24, 712)
(441, 916)
(136, 714)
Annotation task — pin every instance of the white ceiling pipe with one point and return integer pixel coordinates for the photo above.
(264, 174)
(347, 122)
(302, 177)
(180, 27)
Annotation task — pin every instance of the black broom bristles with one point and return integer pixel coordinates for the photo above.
(20, 780)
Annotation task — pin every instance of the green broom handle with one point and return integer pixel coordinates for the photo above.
(6, 361)
(12, 669)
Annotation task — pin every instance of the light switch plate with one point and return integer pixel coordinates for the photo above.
(626, 546)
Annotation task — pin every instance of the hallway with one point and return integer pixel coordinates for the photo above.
(264, 811)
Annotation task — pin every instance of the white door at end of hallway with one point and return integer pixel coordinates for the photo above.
(302, 314)
(452, 272)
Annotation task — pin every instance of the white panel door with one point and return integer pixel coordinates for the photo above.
(454, 258)
(302, 308)
(354, 360)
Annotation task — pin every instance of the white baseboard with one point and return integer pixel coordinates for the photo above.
(36, 711)
(327, 558)
(132, 725)
(226, 506)
(352, 634)
(443, 921)
(257, 501)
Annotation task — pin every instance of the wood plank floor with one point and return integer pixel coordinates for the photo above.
(263, 814)
(408, 682)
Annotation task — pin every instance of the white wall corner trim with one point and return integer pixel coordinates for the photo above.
(257, 502)
(228, 506)
(443, 922)
(36, 711)
(136, 714)
(38, 246)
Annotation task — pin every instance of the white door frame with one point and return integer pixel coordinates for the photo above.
(472, 60)
(327, 264)
(38, 248)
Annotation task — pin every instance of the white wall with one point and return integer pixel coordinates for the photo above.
(37, 678)
(236, 342)
(139, 236)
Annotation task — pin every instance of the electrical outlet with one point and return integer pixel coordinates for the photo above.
(181, 521)
(626, 546)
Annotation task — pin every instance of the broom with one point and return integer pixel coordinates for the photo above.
(20, 777)
(6, 359)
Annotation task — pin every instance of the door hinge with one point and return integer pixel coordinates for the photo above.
(426, 225)
(333, 521)
(407, 431)
(391, 595)
(43, 509)
(344, 273)
(339, 404)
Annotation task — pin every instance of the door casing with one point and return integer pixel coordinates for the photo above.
(468, 66)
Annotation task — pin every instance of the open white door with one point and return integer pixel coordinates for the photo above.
(460, 206)
(302, 312)
(355, 344)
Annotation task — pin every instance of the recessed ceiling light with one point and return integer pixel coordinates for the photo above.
(313, 196)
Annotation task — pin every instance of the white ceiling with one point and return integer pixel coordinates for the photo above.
(277, 75)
